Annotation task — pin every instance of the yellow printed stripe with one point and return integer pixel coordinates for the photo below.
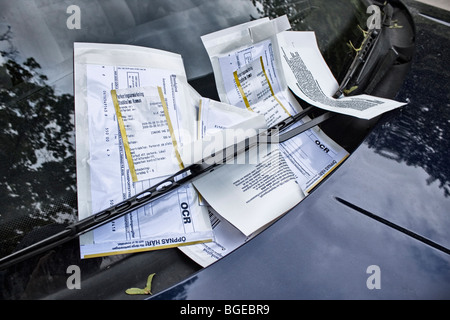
(270, 86)
(126, 145)
(169, 123)
(238, 83)
(97, 255)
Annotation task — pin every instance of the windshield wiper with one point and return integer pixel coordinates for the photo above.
(367, 56)
(182, 177)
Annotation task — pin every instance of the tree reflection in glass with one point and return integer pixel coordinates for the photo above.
(37, 154)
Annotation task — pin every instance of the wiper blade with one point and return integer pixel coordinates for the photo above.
(180, 178)
(359, 63)
(365, 56)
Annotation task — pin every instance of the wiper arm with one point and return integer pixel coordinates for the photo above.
(365, 56)
(182, 177)
(359, 63)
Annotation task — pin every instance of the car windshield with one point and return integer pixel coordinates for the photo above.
(38, 191)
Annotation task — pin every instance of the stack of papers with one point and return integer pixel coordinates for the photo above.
(147, 85)
(138, 121)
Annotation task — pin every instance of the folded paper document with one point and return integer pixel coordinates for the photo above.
(104, 177)
(310, 79)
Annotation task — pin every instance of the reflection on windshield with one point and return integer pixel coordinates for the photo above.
(37, 171)
(419, 134)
